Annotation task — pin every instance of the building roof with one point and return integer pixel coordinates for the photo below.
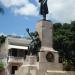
(18, 41)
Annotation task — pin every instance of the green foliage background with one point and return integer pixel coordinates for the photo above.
(64, 42)
(1, 65)
(2, 39)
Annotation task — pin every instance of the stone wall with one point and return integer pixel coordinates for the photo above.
(60, 73)
(3, 72)
(70, 73)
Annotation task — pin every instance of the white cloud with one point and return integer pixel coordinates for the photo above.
(25, 7)
(10, 3)
(63, 10)
(29, 9)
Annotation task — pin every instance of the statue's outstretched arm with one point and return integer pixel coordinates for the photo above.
(29, 33)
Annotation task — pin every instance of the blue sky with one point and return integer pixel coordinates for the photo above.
(22, 14)
(16, 24)
(11, 24)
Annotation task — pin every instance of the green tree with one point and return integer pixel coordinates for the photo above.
(1, 65)
(2, 39)
(64, 41)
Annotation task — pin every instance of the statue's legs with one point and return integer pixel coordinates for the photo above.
(44, 16)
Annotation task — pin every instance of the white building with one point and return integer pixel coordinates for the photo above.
(13, 52)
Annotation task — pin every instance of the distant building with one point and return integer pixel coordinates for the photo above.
(13, 52)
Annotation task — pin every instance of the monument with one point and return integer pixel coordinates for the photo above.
(42, 45)
(48, 57)
(35, 44)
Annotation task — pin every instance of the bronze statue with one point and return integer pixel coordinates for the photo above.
(43, 8)
(35, 44)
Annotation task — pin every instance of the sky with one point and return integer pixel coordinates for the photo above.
(22, 14)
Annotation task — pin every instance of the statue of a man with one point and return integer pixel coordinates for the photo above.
(43, 8)
(35, 44)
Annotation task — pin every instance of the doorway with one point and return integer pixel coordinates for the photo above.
(13, 69)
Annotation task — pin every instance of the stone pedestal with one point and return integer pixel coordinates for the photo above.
(31, 60)
(44, 28)
(29, 66)
(43, 52)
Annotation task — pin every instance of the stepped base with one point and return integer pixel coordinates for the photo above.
(26, 70)
(51, 66)
(29, 67)
(49, 72)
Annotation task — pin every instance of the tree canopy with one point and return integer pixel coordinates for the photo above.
(64, 41)
(1, 65)
(2, 39)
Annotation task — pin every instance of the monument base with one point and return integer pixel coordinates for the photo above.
(45, 66)
(29, 66)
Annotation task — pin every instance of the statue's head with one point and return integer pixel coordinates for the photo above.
(36, 34)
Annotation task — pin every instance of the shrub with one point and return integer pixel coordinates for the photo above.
(1, 65)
